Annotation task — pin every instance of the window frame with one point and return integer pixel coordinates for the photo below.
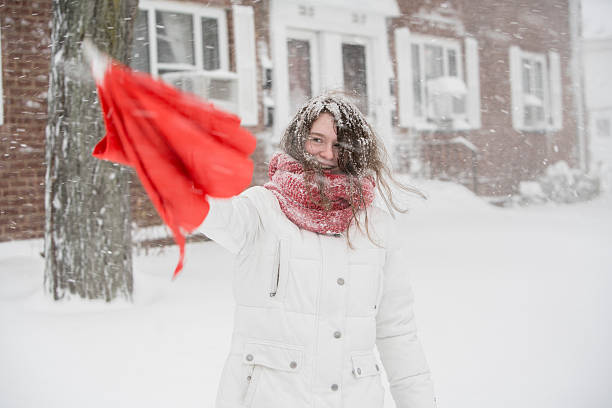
(534, 57)
(197, 13)
(552, 86)
(602, 132)
(423, 121)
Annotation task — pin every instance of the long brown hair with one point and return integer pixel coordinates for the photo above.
(360, 154)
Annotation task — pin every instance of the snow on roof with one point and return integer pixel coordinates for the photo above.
(596, 18)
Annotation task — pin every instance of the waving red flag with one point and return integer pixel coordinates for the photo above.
(181, 147)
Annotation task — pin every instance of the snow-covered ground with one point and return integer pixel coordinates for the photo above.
(514, 310)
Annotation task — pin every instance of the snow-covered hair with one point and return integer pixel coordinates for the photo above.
(361, 153)
(358, 150)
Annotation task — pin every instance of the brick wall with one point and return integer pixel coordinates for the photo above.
(25, 28)
(510, 156)
(26, 50)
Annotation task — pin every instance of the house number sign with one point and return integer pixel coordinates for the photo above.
(306, 11)
(358, 18)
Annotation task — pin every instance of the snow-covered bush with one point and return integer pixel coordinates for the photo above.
(531, 192)
(559, 184)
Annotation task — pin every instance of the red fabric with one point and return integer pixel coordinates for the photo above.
(181, 147)
(298, 198)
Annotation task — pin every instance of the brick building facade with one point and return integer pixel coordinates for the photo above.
(482, 93)
(25, 40)
(507, 151)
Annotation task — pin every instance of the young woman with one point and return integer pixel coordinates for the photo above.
(320, 279)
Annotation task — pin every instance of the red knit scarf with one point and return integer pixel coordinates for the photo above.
(298, 197)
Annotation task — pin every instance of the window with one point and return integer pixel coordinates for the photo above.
(267, 80)
(174, 37)
(532, 69)
(432, 85)
(186, 44)
(603, 128)
(437, 81)
(536, 90)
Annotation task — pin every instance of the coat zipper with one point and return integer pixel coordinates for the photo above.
(276, 272)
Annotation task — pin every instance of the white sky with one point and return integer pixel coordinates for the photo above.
(597, 18)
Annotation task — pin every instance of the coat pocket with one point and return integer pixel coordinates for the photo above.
(365, 364)
(367, 389)
(273, 355)
(272, 363)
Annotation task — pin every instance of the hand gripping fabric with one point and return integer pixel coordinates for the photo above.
(181, 147)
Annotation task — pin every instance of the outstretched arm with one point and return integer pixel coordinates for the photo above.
(235, 223)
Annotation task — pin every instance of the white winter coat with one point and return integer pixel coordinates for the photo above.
(309, 311)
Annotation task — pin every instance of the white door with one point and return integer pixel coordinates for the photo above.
(351, 56)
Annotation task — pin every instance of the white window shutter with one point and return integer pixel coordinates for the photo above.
(556, 96)
(516, 85)
(404, 77)
(246, 67)
(472, 69)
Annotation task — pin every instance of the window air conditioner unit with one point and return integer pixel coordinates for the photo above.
(217, 87)
(446, 98)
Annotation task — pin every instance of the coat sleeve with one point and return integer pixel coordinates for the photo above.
(235, 223)
(396, 336)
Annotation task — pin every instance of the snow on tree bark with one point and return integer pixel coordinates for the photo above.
(87, 222)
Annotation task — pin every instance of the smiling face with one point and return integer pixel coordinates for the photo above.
(322, 142)
(329, 134)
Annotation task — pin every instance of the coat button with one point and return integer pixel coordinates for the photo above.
(334, 387)
(248, 378)
(293, 364)
(340, 281)
(337, 334)
(249, 357)
(376, 365)
(358, 370)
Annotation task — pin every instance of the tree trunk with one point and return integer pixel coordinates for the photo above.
(88, 248)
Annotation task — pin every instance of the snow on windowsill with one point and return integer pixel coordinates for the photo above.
(459, 124)
(447, 85)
